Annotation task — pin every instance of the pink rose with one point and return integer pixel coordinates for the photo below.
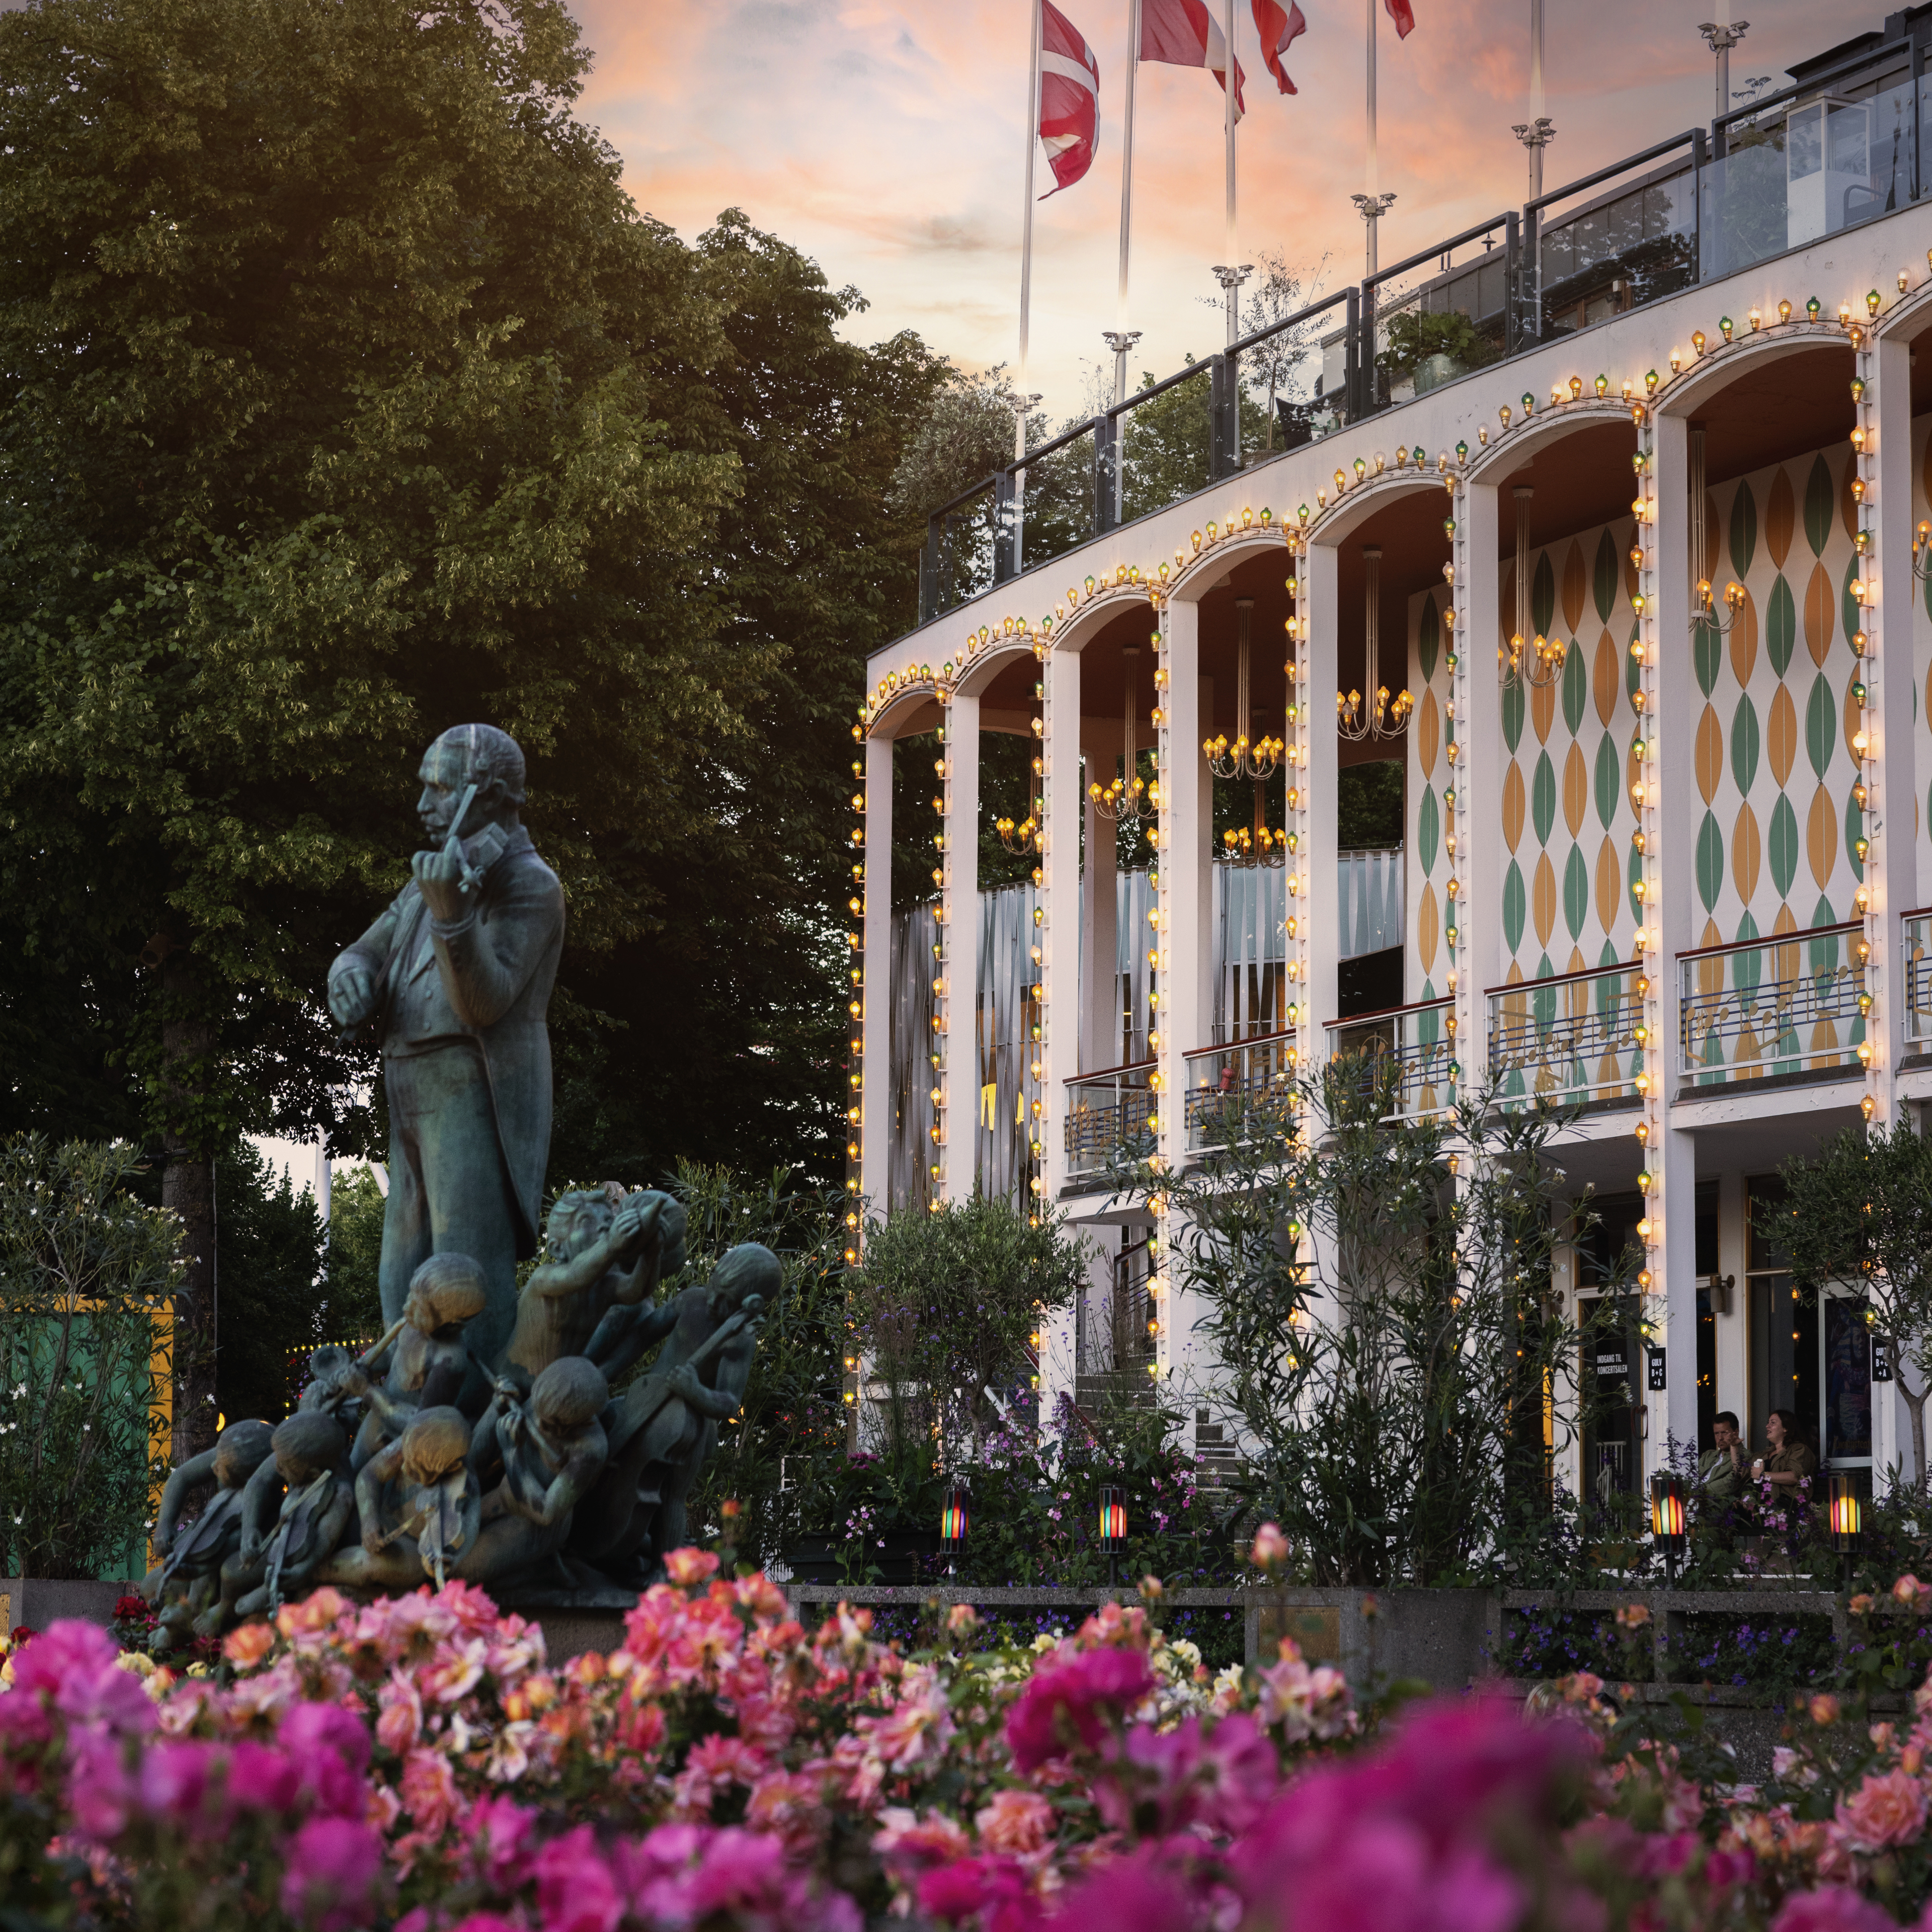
(1883, 1811)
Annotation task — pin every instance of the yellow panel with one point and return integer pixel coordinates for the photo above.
(1428, 733)
(1781, 519)
(1609, 884)
(1710, 753)
(1744, 640)
(1820, 612)
(1425, 928)
(1821, 837)
(1513, 804)
(1576, 788)
(1543, 899)
(1607, 678)
(1780, 737)
(1747, 852)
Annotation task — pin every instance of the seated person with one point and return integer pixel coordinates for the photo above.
(436, 1518)
(1790, 1460)
(186, 1582)
(430, 1363)
(550, 1449)
(312, 1459)
(1720, 1474)
(601, 1255)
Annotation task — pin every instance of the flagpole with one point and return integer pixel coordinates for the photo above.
(1228, 124)
(1121, 340)
(1032, 134)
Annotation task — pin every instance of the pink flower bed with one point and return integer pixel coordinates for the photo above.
(418, 1763)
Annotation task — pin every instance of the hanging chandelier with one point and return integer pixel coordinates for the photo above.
(1257, 846)
(1255, 758)
(1703, 604)
(1381, 718)
(1125, 799)
(1021, 839)
(1536, 661)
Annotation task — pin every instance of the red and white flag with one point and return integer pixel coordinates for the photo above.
(1069, 98)
(1182, 33)
(1400, 12)
(1277, 30)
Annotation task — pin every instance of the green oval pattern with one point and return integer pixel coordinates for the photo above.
(1513, 704)
(1746, 968)
(1746, 741)
(1430, 641)
(1707, 654)
(1824, 951)
(1575, 687)
(1513, 905)
(1780, 845)
(1849, 604)
(1543, 595)
(1854, 830)
(1610, 778)
(1603, 584)
(1821, 725)
(1542, 798)
(1634, 872)
(1428, 829)
(1710, 861)
(1780, 625)
(1744, 530)
(1819, 501)
(1632, 670)
(1576, 893)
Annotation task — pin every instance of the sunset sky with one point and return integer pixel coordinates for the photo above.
(884, 138)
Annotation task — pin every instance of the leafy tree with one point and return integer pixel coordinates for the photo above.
(1860, 1213)
(352, 1306)
(272, 1295)
(1383, 1326)
(87, 1272)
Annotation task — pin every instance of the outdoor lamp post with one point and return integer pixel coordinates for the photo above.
(1847, 1514)
(952, 1522)
(1666, 1519)
(1113, 1524)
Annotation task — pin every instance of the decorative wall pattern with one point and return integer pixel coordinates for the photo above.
(1431, 766)
(1922, 683)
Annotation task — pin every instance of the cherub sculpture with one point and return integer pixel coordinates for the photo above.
(603, 1251)
(434, 1522)
(312, 1460)
(187, 1579)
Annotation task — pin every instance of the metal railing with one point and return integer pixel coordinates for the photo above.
(1576, 1036)
(1109, 1114)
(1917, 947)
(1413, 1047)
(1225, 1083)
(1842, 147)
(1758, 1009)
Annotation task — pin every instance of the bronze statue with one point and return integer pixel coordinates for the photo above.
(429, 1364)
(311, 1461)
(456, 976)
(187, 1580)
(434, 1520)
(598, 1257)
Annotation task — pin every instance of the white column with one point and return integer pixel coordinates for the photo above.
(959, 1081)
(1315, 905)
(1480, 860)
(1099, 902)
(1057, 1052)
(1890, 769)
(1177, 899)
(1672, 710)
(1733, 1331)
(873, 995)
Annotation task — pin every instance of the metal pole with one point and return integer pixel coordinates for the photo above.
(1723, 35)
(1021, 399)
(1228, 128)
(1535, 133)
(1121, 339)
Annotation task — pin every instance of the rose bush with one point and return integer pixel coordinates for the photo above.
(419, 1763)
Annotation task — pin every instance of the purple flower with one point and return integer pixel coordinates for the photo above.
(333, 1879)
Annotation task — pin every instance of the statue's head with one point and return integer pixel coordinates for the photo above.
(447, 1288)
(308, 1443)
(435, 1441)
(467, 754)
(745, 1270)
(241, 1450)
(570, 1394)
(577, 1219)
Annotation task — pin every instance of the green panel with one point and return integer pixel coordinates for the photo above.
(1632, 670)
(1820, 501)
(1603, 583)
(1746, 968)
(1609, 956)
(1543, 595)
(1780, 626)
(1824, 951)
(1430, 640)
(1781, 846)
(1710, 861)
(1635, 873)
(1744, 530)
(1821, 724)
(1576, 893)
(1543, 797)
(1513, 704)
(1514, 905)
(1543, 1000)
(1707, 654)
(1610, 780)
(1428, 829)
(1854, 830)
(1576, 687)
(1848, 605)
(1746, 743)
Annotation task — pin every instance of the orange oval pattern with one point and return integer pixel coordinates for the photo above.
(1576, 788)
(1780, 737)
(1426, 928)
(1821, 837)
(1747, 852)
(1428, 733)
(1542, 708)
(1574, 577)
(1820, 614)
(1514, 805)
(1607, 678)
(1609, 884)
(1781, 519)
(1743, 641)
(1543, 900)
(1710, 753)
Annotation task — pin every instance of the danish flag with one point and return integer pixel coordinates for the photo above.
(1069, 98)
(1277, 30)
(1182, 33)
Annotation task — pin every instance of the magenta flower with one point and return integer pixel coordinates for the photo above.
(575, 1890)
(334, 1878)
(1832, 1908)
(1075, 1704)
(72, 1665)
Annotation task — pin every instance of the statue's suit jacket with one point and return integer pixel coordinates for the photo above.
(485, 978)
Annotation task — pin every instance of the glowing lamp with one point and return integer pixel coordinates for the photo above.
(1113, 1524)
(953, 1519)
(1667, 1511)
(1846, 1511)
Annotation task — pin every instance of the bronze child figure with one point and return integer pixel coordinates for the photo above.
(601, 1255)
(312, 1459)
(436, 1520)
(430, 1363)
(187, 1579)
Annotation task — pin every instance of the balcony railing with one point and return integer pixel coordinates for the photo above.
(1108, 1113)
(1225, 1083)
(1575, 1037)
(1918, 963)
(1842, 148)
(1413, 1047)
(1793, 1003)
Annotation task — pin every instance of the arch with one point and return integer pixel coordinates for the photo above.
(1199, 574)
(1692, 388)
(981, 670)
(1339, 520)
(1527, 435)
(1914, 307)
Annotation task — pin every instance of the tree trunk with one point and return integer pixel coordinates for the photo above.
(1915, 1408)
(187, 1188)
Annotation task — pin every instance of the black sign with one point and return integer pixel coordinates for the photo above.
(1881, 1356)
(1656, 1380)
